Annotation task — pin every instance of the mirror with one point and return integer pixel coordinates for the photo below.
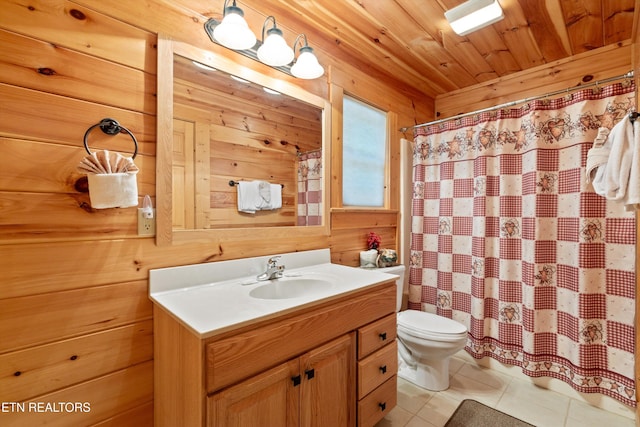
(221, 123)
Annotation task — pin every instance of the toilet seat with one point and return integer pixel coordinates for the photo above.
(430, 326)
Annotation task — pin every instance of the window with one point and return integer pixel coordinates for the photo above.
(364, 148)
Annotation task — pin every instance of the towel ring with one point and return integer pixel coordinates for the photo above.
(111, 127)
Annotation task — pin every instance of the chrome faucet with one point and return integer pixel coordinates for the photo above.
(274, 271)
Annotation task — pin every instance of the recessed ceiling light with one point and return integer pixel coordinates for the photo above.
(203, 66)
(473, 15)
(271, 91)
(238, 79)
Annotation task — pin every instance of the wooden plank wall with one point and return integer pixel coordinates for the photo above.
(75, 318)
(586, 67)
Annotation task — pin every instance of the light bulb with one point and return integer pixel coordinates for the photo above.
(233, 32)
(275, 51)
(307, 65)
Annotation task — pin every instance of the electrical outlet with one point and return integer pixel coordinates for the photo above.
(146, 226)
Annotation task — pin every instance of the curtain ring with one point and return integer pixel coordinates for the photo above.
(111, 127)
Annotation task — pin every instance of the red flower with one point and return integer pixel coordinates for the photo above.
(373, 241)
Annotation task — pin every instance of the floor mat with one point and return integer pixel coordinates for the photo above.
(474, 414)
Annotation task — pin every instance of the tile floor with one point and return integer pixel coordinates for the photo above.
(517, 397)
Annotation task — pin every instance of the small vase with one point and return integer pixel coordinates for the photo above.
(369, 259)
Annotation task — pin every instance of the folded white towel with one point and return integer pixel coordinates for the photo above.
(272, 199)
(248, 196)
(276, 196)
(112, 179)
(113, 190)
(258, 196)
(106, 162)
(264, 190)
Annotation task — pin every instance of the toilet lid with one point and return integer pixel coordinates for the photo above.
(428, 325)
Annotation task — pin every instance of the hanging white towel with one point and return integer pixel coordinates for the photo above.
(619, 177)
(112, 179)
(248, 196)
(276, 196)
(264, 190)
(113, 190)
(597, 158)
(633, 187)
(622, 163)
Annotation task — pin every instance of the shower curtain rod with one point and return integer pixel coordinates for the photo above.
(628, 75)
(315, 150)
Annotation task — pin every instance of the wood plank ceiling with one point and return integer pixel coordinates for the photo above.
(411, 41)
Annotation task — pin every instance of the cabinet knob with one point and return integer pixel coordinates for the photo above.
(383, 369)
(383, 336)
(296, 380)
(382, 405)
(310, 373)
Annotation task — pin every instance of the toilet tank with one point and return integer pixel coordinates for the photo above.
(398, 270)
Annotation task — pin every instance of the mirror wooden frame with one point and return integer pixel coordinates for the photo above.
(165, 234)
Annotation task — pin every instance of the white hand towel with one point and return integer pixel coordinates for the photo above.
(616, 179)
(248, 196)
(112, 179)
(113, 190)
(633, 188)
(597, 158)
(264, 190)
(276, 196)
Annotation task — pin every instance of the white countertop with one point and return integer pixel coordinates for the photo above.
(209, 308)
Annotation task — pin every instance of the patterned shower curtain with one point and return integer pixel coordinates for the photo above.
(508, 239)
(310, 188)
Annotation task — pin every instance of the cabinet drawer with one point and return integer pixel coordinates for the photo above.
(377, 368)
(376, 335)
(378, 403)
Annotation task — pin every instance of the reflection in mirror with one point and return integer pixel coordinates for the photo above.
(224, 130)
(244, 132)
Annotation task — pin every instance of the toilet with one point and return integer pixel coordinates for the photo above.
(426, 342)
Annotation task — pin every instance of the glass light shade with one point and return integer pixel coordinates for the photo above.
(307, 65)
(275, 51)
(233, 32)
(473, 15)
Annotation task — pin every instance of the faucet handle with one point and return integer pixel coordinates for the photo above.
(273, 261)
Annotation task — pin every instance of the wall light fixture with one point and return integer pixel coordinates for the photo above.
(307, 65)
(272, 50)
(233, 32)
(473, 15)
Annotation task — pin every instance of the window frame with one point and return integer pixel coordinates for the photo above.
(338, 128)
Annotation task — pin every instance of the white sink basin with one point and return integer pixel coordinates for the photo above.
(290, 287)
(218, 297)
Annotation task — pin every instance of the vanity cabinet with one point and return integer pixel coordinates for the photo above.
(312, 390)
(301, 367)
(377, 370)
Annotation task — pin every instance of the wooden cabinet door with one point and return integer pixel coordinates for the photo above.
(328, 379)
(271, 399)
